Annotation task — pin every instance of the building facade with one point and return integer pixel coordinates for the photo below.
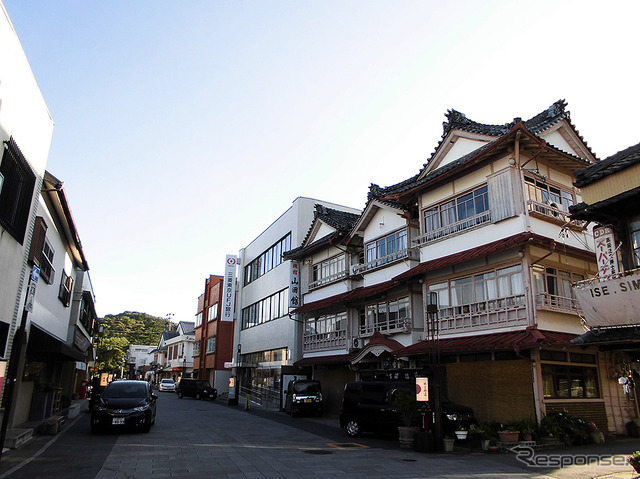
(266, 338)
(213, 337)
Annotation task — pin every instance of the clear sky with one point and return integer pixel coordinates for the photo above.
(184, 128)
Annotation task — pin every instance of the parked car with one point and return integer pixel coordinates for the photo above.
(369, 406)
(167, 385)
(304, 395)
(196, 388)
(124, 405)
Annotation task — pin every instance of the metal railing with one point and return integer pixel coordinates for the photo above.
(260, 397)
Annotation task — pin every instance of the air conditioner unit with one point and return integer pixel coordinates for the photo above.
(354, 268)
(357, 343)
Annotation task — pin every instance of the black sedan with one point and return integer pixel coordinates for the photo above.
(124, 405)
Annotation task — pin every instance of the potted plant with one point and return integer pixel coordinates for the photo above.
(461, 432)
(634, 460)
(527, 426)
(448, 443)
(407, 408)
(483, 430)
(510, 434)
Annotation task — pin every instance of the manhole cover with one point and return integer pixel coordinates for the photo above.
(317, 451)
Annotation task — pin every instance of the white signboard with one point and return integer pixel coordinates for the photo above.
(294, 286)
(606, 254)
(229, 288)
(422, 389)
(31, 292)
(610, 303)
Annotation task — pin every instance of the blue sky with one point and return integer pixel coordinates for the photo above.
(183, 129)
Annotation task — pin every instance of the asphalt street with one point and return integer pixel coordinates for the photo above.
(205, 439)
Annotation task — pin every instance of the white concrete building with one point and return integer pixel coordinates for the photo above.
(266, 337)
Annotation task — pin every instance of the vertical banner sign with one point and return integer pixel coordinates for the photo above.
(31, 292)
(606, 254)
(422, 389)
(229, 288)
(294, 285)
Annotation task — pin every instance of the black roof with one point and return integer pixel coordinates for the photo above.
(621, 160)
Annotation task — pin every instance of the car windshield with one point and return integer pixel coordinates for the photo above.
(125, 390)
(167, 381)
(306, 388)
(203, 383)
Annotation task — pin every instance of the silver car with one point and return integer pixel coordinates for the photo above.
(167, 385)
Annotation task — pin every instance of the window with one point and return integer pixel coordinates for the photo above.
(198, 320)
(480, 288)
(634, 229)
(569, 382)
(267, 309)
(329, 270)
(541, 192)
(18, 182)
(267, 260)
(196, 349)
(457, 214)
(211, 345)
(213, 312)
(326, 324)
(553, 287)
(46, 262)
(386, 315)
(66, 286)
(387, 249)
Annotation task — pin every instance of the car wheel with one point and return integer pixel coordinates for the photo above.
(180, 394)
(214, 396)
(353, 428)
(198, 396)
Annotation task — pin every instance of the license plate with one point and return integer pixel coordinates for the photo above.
(118, 421)
(308, 400)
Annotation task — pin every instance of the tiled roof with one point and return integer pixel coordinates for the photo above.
(630, 334)
(621, 160)
(456, 120)
(508, 341)
(348, 297)
(342, 221)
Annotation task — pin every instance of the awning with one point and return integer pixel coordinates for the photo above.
(509, 341)
(42, 342)
(504, 244)
(348, 297)
(629, 335)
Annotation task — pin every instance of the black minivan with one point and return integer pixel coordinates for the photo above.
(304, 395)
(369, 406)
(196, 388)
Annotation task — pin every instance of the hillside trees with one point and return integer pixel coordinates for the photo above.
(123, 329)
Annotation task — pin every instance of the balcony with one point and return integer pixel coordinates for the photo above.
(453, 229)
(324, 341)
(328, 280)
(612, 300)
(411, 254)
(552, 212)
(552, 302)
(510, 310)
(392, 325)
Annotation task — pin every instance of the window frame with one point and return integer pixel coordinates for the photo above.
(18, 184)
(455, 210)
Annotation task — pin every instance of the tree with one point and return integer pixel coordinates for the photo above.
(123, 329)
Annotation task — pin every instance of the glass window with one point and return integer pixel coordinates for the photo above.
(457, 210)
(634, 229)
(387, 249)
(267, 260)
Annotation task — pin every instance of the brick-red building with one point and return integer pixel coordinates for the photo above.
(214, 338)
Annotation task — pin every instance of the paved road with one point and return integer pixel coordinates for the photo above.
(203, 439)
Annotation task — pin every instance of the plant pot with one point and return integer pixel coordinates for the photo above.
(509, 436)
(448, 444)
(462, 434)
(527, 436)
(407, 436)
